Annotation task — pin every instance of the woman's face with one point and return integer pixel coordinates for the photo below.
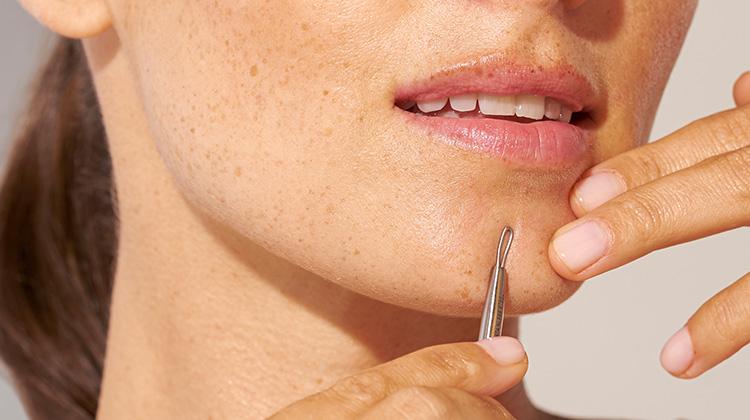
(292, 123)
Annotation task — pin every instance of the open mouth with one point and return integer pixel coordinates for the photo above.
(522, 108)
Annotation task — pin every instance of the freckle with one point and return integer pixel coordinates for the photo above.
(343, 258)
(325, 93)
(254, 71)
(238, 171)
(192, 130)
(305, 26)
(349, 238)
(356, 252)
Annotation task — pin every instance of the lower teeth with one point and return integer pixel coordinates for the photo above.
(450, 113)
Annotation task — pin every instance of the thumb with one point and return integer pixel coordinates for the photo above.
(487, 368)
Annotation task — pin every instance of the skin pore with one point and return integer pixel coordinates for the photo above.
(281, 228)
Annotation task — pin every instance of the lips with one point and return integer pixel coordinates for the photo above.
(525, 115)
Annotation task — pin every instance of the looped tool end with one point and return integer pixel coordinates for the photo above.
(494, 305)
(506, 238)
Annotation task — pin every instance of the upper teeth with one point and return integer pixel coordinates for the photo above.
(523, 105)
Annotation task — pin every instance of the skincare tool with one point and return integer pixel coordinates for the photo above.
(494, 305)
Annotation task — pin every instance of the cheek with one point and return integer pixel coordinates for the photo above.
(239, 105)
(272, 120)
(637, 63)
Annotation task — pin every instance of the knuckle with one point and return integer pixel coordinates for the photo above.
(726, 315)
(647, 212)
(643, 165)
(421, 403)
(367, 387)
(735, 169)
(453, 363)
(731, 128)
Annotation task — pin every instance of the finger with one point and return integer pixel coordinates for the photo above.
(718, 134)
(708, 198)
(715, 332)
(488, 368)
(422, 403)
(742, 90)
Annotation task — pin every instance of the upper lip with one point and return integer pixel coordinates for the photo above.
(498, 75)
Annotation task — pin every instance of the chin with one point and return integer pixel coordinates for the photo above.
(441, 262)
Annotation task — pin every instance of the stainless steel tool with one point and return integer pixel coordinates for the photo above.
(494, 305)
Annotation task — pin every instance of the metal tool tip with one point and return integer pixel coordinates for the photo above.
(503, 247)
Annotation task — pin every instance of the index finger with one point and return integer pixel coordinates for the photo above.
(742, 90)
(715, 135)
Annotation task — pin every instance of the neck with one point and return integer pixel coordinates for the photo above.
(246, 331)
(207, 324)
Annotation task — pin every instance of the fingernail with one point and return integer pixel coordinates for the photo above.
(581, 246)
(678, 354)
(597, 189)
(505, 350)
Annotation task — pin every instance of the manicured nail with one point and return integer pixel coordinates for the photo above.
(597, 189)
(678, 354)
(581, 246)
(505, 350)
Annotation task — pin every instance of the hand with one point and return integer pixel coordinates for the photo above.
(688, 185)
(450, 381)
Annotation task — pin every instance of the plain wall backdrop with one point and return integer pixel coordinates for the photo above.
(597, 354)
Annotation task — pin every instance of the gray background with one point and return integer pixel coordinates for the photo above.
(596, 355)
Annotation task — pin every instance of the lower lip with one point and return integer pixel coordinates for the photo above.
(539, 144)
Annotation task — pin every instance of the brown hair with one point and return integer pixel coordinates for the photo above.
(58, 244)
